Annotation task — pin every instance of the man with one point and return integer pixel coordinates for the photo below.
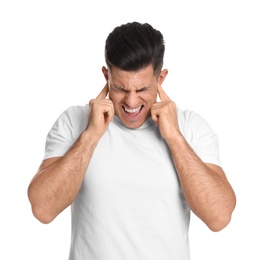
(131, 164)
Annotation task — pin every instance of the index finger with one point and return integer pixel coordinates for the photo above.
(104, 92)
(163, 96)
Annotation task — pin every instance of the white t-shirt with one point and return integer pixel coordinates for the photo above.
(130, 205)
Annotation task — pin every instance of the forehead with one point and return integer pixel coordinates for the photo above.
(127, 79)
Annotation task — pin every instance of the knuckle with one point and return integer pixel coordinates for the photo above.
(91, 102)
(172, 104)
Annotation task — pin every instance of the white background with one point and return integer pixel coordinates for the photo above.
(51, 54)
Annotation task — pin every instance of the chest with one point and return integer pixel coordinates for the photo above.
(130, 167)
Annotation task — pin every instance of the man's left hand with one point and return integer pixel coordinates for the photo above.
(164, 113)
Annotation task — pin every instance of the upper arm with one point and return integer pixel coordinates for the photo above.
(45, 164)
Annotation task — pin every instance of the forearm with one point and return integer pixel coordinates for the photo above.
(56, 186)
(205, 187)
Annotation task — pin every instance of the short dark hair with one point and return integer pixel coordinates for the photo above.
(133, 46)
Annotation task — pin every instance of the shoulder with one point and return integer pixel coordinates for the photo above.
(76, 114)
(77, 110)
(73, 119)
(188, 117)
(193, 124)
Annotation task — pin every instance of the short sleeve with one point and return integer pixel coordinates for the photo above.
(201, 137)
(60, 137)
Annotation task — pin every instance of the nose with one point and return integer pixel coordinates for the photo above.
(131, 99)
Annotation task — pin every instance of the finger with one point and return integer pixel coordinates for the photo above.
(163, 96)
(109, 115)
(103, 93)
(155, 118)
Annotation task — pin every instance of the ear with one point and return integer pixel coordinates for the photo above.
(105, 73)
(162, 76)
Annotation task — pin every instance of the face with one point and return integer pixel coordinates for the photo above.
(133, 93)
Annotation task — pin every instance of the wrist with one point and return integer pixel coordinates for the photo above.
(89, 139)
(175, 139)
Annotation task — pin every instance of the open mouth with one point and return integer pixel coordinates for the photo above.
(133, 111)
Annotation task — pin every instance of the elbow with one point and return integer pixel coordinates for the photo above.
(218, 223)
(42, 215)
(222, 218)
(39, 211)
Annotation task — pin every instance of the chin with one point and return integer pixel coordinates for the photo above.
(133, 124)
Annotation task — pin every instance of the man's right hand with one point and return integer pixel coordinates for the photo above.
(101, 113)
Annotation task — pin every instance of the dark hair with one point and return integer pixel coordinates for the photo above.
(134, 46)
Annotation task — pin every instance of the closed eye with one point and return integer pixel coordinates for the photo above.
(142, 89)
(117, 88)
(120, 89)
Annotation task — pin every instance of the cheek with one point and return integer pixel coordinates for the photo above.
(150, 98)
(112, 96)
(115, 97)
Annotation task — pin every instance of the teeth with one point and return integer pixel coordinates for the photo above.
(133, 110)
